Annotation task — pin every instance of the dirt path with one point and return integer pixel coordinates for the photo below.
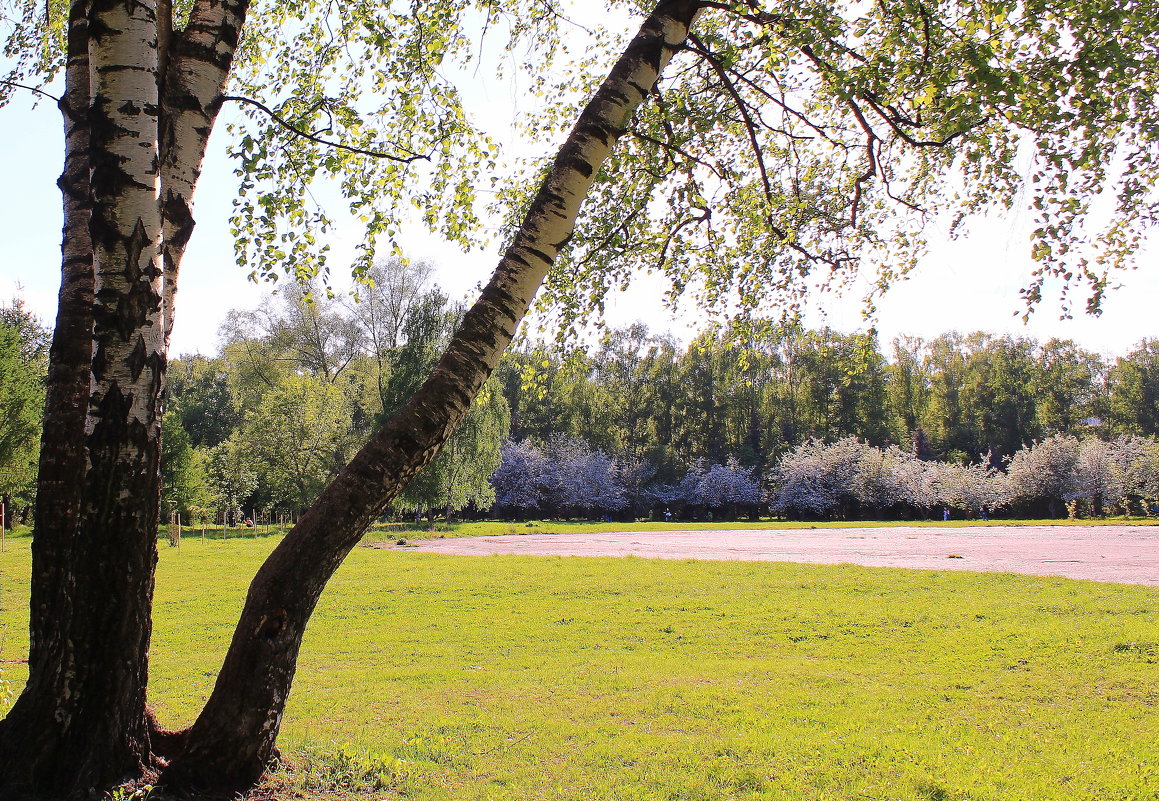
(1121, 554)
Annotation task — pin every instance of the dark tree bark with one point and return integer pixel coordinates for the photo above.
(233, 740)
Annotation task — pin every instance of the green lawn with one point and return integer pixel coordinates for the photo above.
(430, 677)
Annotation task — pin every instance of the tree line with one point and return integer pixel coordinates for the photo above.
(757, 417)
(847, 479)
(629, 426)
(753, 390)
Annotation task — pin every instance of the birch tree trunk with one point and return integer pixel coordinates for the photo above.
(132, 157)
(91, 661)
(233, 740)
(24, 740)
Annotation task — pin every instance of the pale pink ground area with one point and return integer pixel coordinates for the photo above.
(1119, 554)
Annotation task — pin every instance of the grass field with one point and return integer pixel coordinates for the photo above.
(429, 677)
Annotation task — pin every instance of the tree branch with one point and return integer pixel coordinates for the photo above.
(304, 135)
(33, 89)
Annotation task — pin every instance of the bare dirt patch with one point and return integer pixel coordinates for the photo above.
(1118, 554)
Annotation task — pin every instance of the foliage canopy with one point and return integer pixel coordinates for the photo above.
(792, 146)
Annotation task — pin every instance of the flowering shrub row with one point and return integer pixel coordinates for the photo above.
(847, 478)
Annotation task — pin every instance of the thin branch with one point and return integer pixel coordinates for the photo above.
(350, 148)
(551, 10)
(742, 108)
(670, 148)
(871, 139)
(790, 24)
(698, 47)
(781, 103)
(704, 217)
(53, 98)
(607, 241)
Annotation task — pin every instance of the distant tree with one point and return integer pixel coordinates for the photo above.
(21, 404)
(183, 484)
(660, 389)
(998, 394)
(386, 295)
(459, 476)
(843, 382)
(724, 489)
(460, 473)
(428, 324)
(300, 328)
(637, 477)
(920, 445)
(559, 396)
(815, 479)
(519, 480)
(231, 478)
(1068, 387)
(972, 488)
(1046, 472)
(888, 478)
(908, 387)
(201, 394)
(852, 477)
(706, 375)
(34, 338)
(947, 425)
(1133, 390)
(1121, 475)
(297, 438)
(620, 370)
(1094, 471)
(580, 479)
(909, 481)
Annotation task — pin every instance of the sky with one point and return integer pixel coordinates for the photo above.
(966, 284)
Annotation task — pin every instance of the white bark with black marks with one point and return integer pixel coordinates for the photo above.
(197, 67)
(233, 739)
(133, 151)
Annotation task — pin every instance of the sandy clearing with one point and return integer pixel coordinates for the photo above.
(1119, 554)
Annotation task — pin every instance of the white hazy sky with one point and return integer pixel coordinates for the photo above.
(968, 284)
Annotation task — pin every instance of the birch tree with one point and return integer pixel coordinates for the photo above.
(136, 136)
(793, 140)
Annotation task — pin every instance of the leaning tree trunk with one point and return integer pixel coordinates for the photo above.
(233, 740)
(133, 150)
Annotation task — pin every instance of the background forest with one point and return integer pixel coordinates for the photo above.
(750, 418)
